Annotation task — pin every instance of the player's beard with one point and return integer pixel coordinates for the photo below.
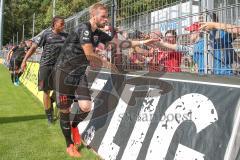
(99, 25)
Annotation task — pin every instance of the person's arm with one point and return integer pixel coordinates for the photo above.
(227, 27)
(176, 47)
(166, 45)
(144, 42)
(30, 51)
(96, 59)
(39, 42)
(28, 54)
(126, 44)
(9, 55)
(106, 38)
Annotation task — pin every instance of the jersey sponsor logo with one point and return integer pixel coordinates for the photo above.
(85, 38)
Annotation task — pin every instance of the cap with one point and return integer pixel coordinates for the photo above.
(194, 27)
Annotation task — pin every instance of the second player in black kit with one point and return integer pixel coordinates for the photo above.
(52, 44)
(72, 64)
(51, 41)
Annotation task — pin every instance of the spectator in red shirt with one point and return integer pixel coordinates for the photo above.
(171, 60)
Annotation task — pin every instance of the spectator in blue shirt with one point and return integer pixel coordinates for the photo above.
(223, 52)
(221, 42)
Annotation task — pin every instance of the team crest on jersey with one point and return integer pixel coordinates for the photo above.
(86, 33)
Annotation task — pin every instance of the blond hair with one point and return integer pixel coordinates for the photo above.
(97, 6)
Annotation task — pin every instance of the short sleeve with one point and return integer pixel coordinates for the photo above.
(40, 41)
(84, 34)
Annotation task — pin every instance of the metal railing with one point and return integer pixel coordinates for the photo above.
(214, 52)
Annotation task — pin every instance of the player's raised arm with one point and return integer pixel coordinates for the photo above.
(147, 42)
(167, 45)
(227, 27)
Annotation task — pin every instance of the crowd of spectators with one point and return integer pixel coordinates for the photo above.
(180, 53)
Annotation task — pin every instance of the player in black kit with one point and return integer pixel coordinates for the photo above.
(52, 41)
(70, 77)
(15, 58)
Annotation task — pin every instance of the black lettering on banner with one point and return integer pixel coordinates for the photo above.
(144, 84)
(107, 100)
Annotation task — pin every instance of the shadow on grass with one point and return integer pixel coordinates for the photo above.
(21, 118)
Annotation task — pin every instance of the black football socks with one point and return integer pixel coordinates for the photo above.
(66, 127)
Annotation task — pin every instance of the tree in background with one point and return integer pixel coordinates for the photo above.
(17, 13)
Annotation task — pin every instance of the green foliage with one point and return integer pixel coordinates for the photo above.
(19, 12)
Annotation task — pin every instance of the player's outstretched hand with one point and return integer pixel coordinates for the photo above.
(206, 26)
(150, 42)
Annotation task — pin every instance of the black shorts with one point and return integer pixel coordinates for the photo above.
(45, 78)
(69, 88)
(14, 65)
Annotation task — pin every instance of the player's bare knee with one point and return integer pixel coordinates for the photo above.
(85, 105)
(85, 108)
